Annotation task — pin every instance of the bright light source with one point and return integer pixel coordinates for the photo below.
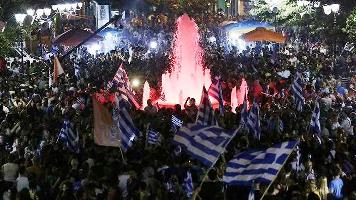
(303, 3)
(153, 45)
(335, 8)
(275, 3)
(135, 82)
(235, 40)
(20, 18)
(30, 12)
(109, 36)
(212, 39)
(39, 12)
(327, 9)
(47, 11)
(92, 49)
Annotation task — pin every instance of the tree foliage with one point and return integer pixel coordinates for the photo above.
(285, 12)
(192, 7)
(350, 28)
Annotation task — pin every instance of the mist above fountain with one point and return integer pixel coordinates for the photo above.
(187, 76)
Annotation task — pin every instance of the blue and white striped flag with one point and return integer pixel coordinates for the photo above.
(126, 128)
(258, 166)
(69, 135)
(176, 123)
(188, 186)
(253, 121)
(251, 195)
(205, 114)
(204, 143)
(244, 115)
(315, 120)
(280, 125)
(77, 67)
(153, 137)
(122, 83)
(215, 91)
(297, 90)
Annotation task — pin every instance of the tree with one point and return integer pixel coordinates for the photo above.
(350, 28)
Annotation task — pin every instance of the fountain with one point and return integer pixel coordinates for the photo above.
(187, 76)
(238, 95)
(146, 94)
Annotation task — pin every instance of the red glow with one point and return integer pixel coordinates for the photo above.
(238, 95)
(187, 77)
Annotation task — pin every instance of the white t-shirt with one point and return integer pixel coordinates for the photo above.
(346, 126)
(10, 171)
(22, 183)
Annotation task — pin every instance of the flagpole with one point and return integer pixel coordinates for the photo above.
(212, 166)
(265, 192)
(122, 156)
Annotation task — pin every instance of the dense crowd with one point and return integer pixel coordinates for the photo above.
(37, 165)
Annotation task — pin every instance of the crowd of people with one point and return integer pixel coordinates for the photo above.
(36, 164)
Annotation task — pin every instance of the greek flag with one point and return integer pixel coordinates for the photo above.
(122, 82)
(188, 186)
(69, 135)
(297, 90)
(204, 143)
(253, 121)
(126, 128)
(315, 120)
(244, 115)
(280, 125)
(258, 166)
(251, 195)
(205, 114)
(77, 66)
(153, 137)
(215, 91)
(176, 123)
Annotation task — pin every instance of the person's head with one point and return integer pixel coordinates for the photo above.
(313, 196)
(191, 101)
(213, 174)
(149, 102)
(177, 108)
(22, 170)
(336, 172)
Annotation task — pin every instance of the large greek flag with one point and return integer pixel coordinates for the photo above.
(204, 143)
(122, 82)
(205, 114)
(258, 166)
(297, 90)
(126, 128)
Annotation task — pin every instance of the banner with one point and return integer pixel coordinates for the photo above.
(106, 132)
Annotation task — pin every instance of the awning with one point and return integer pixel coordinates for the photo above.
(262, 34)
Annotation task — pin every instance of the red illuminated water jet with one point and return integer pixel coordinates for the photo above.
(187, 76)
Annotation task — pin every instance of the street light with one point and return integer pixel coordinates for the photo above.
(328, 9)
(31, 12)
(68, 7)
(20, 18)
(306, 3)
